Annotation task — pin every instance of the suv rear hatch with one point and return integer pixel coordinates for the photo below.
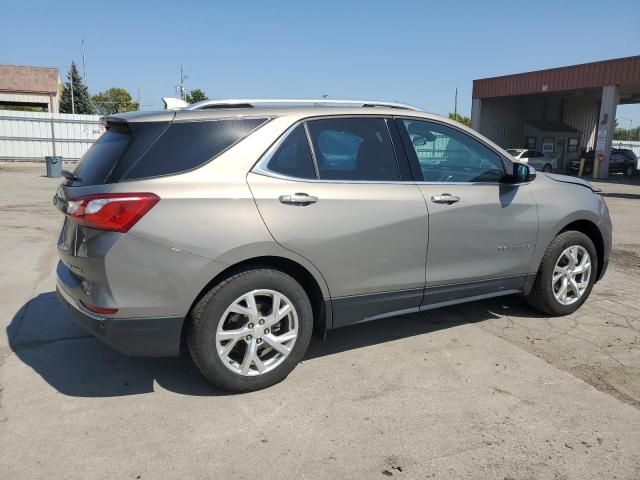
(134, 146)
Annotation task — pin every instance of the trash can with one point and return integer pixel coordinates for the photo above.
(54, 166)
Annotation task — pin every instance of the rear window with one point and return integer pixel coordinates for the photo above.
(187, 145)
(97, 163)
(150, 149)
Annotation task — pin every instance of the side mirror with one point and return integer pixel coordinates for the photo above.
(419, 141)
(522, 173)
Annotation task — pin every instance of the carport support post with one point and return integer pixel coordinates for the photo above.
(53, 135)
(606, 124)
(476, 108)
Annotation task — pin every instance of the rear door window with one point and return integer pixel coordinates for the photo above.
(293, 157)
(357, 149)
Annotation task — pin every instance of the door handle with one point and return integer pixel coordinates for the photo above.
(445, 198)
(299, 199)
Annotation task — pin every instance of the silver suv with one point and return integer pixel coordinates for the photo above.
(237, 228)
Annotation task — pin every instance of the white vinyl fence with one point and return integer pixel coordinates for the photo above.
(29, 136)
(630, 144)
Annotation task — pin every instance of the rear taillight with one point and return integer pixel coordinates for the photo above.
(115, 212)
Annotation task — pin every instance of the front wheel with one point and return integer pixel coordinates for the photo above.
(566, 275)
(251, 330)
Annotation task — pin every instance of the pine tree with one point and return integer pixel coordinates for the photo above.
(196, 95)
(81, 99)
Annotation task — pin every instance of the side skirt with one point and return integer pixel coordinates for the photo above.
(362, 308)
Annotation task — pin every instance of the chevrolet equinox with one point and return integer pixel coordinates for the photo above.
(239, 227)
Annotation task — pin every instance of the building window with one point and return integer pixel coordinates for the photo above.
(530, 143)
(573, 145)
(548, 144)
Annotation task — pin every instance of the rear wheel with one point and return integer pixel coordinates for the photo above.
(251, 330)
(566, 275)
(547, 168)
(629, 170)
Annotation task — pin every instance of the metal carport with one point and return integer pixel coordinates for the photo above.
(584, 97)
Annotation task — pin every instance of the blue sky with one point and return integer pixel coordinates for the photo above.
(412, 51)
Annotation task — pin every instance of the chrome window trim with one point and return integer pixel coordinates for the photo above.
(261, 165)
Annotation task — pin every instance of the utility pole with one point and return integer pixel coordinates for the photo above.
(73, 106)
(455, 104)
(84, 64)
(139, 100)
(182, 95)
(53, 129)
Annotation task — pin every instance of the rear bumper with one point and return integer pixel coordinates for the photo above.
(147, 337)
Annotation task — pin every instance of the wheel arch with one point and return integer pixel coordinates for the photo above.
(322, 313)
(592, 231)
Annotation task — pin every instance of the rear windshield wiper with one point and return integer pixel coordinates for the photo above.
(70, 176)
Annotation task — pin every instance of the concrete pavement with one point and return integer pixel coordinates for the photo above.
(482, 390)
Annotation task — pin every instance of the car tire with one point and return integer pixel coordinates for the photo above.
(629, 170)
(547, 168)
(544, 294)
(215, 316)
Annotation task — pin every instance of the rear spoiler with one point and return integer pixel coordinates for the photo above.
(171, 103)
(115, 124)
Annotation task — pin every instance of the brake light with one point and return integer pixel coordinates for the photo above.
(115, 212)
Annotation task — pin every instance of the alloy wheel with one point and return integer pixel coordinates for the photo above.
(257, 332)
(571, 275)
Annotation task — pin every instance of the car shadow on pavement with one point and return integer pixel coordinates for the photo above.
(43, 336)
(625, 196)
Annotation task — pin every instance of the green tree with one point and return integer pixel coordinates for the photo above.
(114, 100)
(626, 134)
(460, 118)
(196, 95)
(23, 108)
(81, 98)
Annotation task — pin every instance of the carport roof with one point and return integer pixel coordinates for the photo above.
(22, 79)
(547, 126)
(619, 71)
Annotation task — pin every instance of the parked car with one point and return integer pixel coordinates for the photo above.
(237, 228)
(626, 161)
(621, 161)
(535, 158)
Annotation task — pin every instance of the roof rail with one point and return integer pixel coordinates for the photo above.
(320, 102)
